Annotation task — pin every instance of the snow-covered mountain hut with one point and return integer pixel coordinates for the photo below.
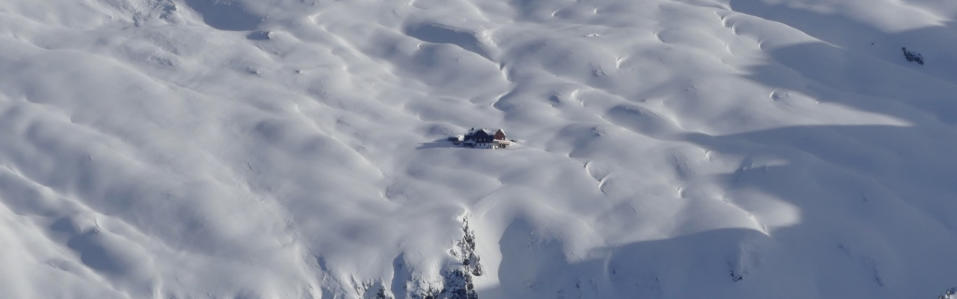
(485, 139)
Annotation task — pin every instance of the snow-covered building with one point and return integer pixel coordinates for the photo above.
(483, 138)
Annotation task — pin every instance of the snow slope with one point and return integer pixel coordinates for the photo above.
(289, 149)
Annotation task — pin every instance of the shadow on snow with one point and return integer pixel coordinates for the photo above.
(899, 181)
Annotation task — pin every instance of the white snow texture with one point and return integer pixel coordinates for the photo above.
(295, 148)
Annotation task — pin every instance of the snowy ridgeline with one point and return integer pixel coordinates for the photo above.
(287, 149)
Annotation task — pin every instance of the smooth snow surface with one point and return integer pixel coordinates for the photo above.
(292, 148)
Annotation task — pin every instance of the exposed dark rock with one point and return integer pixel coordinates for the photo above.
(950, 293)
(381, 294)
(735, 276)
(912, 56)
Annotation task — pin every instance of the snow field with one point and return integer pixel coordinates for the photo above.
(669, 149)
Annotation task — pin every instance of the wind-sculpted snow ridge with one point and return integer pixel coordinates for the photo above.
(666, 149)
